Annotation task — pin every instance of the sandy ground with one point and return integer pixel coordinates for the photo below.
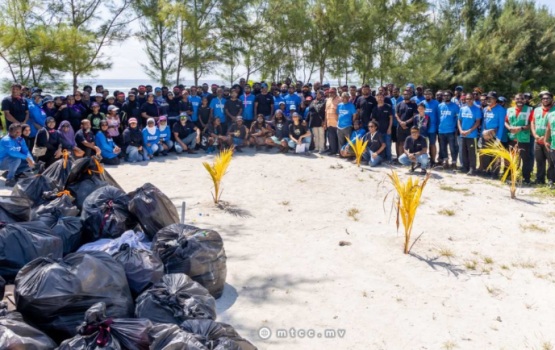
(482, 278)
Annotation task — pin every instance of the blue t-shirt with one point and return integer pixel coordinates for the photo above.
(448, 113)
(354, 135)
(277, 100)
(468, 116)
(37, 115)
(345, 113)
(149, 138)
(393, 103)
(292, 100)
(495, 118)
(106, 145)
(433, 113)
(16, 148)
(195, 101)
(248, 106)
(166, 134)
(218, 107)
(417, 99)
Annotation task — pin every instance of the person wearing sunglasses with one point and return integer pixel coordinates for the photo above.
(376, 148)
(470, 117)
(416, 151)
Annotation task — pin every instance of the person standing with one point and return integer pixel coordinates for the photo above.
(539, 126)
(264, 103)
(448, 114)
(493, 126)
(365, 105)
(15, 108)
(405, 112)
(347, 114)
(15, 157)
(217, 108)
(469, 121)
(150, 109)
(383, 114)
(550, 137)
(518, 122)
(315, 120)
(330, 124)
(233, 108)
(247, 99)
(292, 99)
(432, 111)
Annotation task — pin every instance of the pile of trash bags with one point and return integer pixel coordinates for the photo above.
(96, 268)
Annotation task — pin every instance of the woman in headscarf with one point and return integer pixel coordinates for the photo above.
(108, 149)
(165, 135)
(72, 113)
(132, 109)
(49, 108)
(68, 139)
(133, 148)
(49, 138)
(151, 138)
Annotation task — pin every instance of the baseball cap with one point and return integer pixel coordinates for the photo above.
(121, 94)
(49, 99)
(295, 115)
(110, 97)
(264, 85)
(112, 108)
(279, 111)
(215, 86)
(281, 103)
(239, 118)
(183, 115)
(164, 118)
(157, 89)
(502, 99)
(545, 93)
(492, 94)
(459, 88)
(411, 85)
(293, 107)
(132, 120)
(95, 104)
(99, 95)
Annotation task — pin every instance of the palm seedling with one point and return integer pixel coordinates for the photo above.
(511, 158)
(407, 201)
(358, 147)
(218, 170)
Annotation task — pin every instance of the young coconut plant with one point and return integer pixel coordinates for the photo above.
(358, 147)
(407, 202)
(511, 159)
(218, 170)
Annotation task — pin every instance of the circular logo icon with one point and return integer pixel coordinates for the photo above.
(264, 333)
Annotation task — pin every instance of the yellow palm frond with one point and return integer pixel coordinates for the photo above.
(358, 147)
(407, 201)
(511, 158)
(218, 170)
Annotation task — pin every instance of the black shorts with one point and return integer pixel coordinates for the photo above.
(394, 134)
(402, 134)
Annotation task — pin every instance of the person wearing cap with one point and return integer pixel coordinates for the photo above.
(132, 143)
(457, 98)
(470, 117)
(330, 124)
(292, 99)
(405, 113)
(165, 135)
(248, 100)
(419, 96)
(185, 105)
(48, 107)
(233, 108)
(518, 122)
(109, 151)
(214, 88)
(99, 98)
(71, 112)
(114, 124)
(141, 99)
(85, 139)
(264, 103)
(304, 108)
(542, 115)
(238, 135)
(476, 93)
(550, 136)
(186, 135)
(15, 108)
(299, 134)
(493, 124)
(448, 116)
(289, 110)
(96, 117)
(415, 151)
(217, 108)
(110, 101)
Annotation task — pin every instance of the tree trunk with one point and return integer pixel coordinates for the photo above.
(74, 81)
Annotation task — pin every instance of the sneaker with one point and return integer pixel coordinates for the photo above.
(453, 167)
(423, 172)
(10, 183)
(412, 168)
(472, 172)
(238, 149)
(164, 154)
(5, 174)
(190, 151)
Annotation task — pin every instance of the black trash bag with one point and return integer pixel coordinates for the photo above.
(82, 189)
(59, 170)
(15, 209)
(68, 228)
(2, 287)
(174, 299)
(196, 252)
(216, 335)
(141, 266)
(87, 168)
(34, 187)
(105, 214)
(57, 203)
(56, 294)
(171, 337)
(15, 334)
(99, 331)
(22, 242)
(153, 209)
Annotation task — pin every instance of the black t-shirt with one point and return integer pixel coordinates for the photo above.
(81, 136)
(382, 115)
(366, 106)
(185, 106)
(297, 130)
(211, 129)
(405, 111)
(233, 107)
(184, 130)
(238, 132)
(281, 129)
(151, 110)
(17, 108)
(265, 103)
(417, 145)
(95, 120)
(374, 143)
(203, 114)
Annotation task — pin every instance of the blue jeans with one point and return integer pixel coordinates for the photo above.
(367, 155)
(14, 166)
(133, 155)
(292, 144)
(387, 139)
(422, 159)
(168, 143)
(190, 141)
(451, 140)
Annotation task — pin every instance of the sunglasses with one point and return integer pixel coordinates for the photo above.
(547, 98)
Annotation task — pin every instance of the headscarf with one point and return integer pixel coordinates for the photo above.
(49, 119)
(162, 127)
(151, 129)
(67, 136)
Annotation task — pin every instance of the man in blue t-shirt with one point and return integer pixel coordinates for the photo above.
(14, 155)
(433, 112)
(448, 113)
(469, 121)
(247, 99)
(217, 107)
(493, 130)
(196, 101)
(346, 114)
(292, 99)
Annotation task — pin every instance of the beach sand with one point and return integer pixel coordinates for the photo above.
(482, 278)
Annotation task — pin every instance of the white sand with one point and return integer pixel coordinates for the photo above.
(286, 269)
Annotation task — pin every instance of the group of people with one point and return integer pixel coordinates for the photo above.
(146, 122)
